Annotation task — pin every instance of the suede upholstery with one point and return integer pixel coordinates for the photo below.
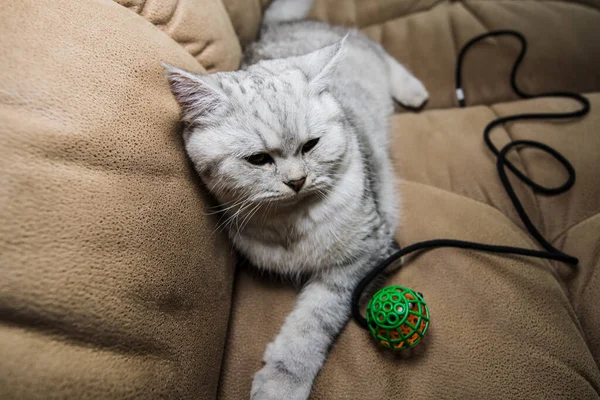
(113, 284)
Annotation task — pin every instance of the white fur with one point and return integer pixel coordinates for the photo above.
(287, 10)
(343, 220)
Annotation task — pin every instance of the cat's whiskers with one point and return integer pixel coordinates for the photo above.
(229, 221)
(241, 213)
(237, 202)
(248, 217)
(244, 217)
(322, 194)
(266, 213)
(226, 203)
(218, 208)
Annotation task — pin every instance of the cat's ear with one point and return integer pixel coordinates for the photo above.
(200, 96)
(321, 64)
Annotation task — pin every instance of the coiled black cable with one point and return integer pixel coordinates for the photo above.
(550, 253)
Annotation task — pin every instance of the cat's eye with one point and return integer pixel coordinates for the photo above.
(259, 159)
(308, 146)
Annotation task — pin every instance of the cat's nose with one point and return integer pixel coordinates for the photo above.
(296, 184)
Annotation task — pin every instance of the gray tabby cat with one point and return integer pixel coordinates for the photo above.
(294, 147)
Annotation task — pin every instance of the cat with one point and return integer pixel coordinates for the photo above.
(294, 147)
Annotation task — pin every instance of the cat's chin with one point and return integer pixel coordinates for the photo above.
(287, 201)
(295, 200)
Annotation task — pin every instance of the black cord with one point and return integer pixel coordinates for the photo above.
(551, 252)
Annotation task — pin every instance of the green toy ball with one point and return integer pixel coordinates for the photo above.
(398, 317)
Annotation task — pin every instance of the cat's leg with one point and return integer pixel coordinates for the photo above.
(405, 88)
(294, 358)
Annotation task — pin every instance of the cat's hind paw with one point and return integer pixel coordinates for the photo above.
(413, 94)
(406, 88)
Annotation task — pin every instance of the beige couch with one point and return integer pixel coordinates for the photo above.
(113, 285)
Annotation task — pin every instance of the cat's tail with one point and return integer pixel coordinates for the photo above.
(404, 87)
(281, 11)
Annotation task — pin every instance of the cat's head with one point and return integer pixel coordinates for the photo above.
(270, 133)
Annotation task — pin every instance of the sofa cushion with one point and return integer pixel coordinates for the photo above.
(426, 35)
(202, 27)
(246, 16)
(582, 239)
(112, 283)
(502, 327)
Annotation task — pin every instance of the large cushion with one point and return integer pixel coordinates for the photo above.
(426, 35)
(246, 17)
(113, 283)
(502, 327)
(202, 27)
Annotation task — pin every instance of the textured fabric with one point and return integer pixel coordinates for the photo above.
(570, 221)
(362, 13)
(113, 286)
(502, 327)
(246, 16)
(585, 286)
(426, 35)
(202, 27)
(111, 283)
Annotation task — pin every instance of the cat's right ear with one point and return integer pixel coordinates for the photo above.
(200, 96)
(321, 64)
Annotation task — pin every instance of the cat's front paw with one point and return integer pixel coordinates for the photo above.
(276, 382)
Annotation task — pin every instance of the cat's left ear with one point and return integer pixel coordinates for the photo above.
(200, 96)
(321, 64)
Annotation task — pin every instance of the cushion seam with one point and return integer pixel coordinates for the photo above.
(471, 12)
(463, 3)
(402, 16)
(584, 289)
(225, 349)
(533, 243)
(572, 226)
(576, 302)
(164, 28)
(569, 3)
